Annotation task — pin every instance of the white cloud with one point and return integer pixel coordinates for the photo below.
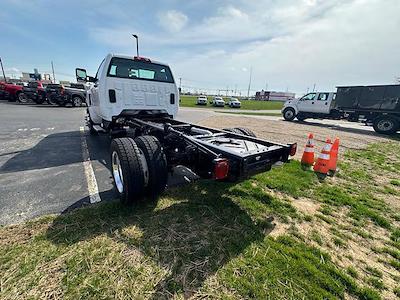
(172, 20)
(288, 43)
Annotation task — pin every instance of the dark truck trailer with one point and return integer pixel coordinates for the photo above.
(378, 104)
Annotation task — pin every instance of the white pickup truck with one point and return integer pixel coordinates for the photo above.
(135, 100)
(376, 105)
(312, 105)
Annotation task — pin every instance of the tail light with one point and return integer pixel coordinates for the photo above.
(140, 58)
(293, 149)
(62, 90)
(221, 168)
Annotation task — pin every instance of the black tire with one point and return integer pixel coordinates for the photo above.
(233, 130)
(40, 98)
(246, 131)
(289, 114)
(386, 125)
(156, 165)
(22, 98)
(130, 166)
(92, 131)
(76, 101)
(52, 100)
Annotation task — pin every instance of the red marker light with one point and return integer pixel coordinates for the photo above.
(293, 149)
(140, 58)
(221, 168)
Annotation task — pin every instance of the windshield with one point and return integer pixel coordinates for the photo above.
(218, 98)
(132, 69)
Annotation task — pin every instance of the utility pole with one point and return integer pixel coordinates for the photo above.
(137, 44)
(248, 90)
(54, 76)
(2, 68)
(313, 89)
(266, 86)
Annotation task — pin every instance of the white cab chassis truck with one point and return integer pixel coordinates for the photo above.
(135, 100)
(377, 105)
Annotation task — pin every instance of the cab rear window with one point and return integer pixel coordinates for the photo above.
(132, 69)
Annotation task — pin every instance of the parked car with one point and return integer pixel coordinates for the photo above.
(234, 103)
(57, 94)
(3, 93)
(75, 95)
(54, 92)
(34, 91)
(201, 100)
(11, 91)
(218, 102)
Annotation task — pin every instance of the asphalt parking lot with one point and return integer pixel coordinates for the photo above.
(42, 154)
(41, 161)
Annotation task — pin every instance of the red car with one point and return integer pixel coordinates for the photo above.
(10, 91)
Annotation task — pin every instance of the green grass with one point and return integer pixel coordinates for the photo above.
(110, 251)
(190, 101)
(352, 272)
(211, 240)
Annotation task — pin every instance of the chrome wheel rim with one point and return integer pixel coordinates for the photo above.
(117, 172)
(289, 114)
(385, 125)
(22, 98)
(77, 101)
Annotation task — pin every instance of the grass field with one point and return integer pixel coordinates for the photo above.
(279, 235)
(190, 101)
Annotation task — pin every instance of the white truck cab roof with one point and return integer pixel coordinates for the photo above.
(126, 84)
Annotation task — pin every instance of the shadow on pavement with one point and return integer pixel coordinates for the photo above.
(53, 150)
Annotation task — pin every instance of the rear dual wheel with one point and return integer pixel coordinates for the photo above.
(139, 168)
(241, 130)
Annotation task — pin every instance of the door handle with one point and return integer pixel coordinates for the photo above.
(95, 85)
(312, 102)
(326, 103)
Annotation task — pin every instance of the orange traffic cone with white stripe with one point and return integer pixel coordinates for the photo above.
(307, 160)
(321, 167)
(333, 157)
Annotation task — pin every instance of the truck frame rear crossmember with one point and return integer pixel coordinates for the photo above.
(202, 149)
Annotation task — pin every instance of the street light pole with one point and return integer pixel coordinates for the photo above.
(137, 44)
(248, 90)
(4, 75)
(54, 76)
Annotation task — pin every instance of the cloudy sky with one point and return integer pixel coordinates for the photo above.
(289, 44)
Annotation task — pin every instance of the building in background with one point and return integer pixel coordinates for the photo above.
(274, 96)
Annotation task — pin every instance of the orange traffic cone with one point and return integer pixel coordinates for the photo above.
(307, 160)
(321, 167)
(333, 157)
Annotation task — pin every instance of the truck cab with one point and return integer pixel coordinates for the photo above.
(127, 85)
(316, 104)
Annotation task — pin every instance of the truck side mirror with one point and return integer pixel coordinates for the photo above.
(81, 75)
(90, 79)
